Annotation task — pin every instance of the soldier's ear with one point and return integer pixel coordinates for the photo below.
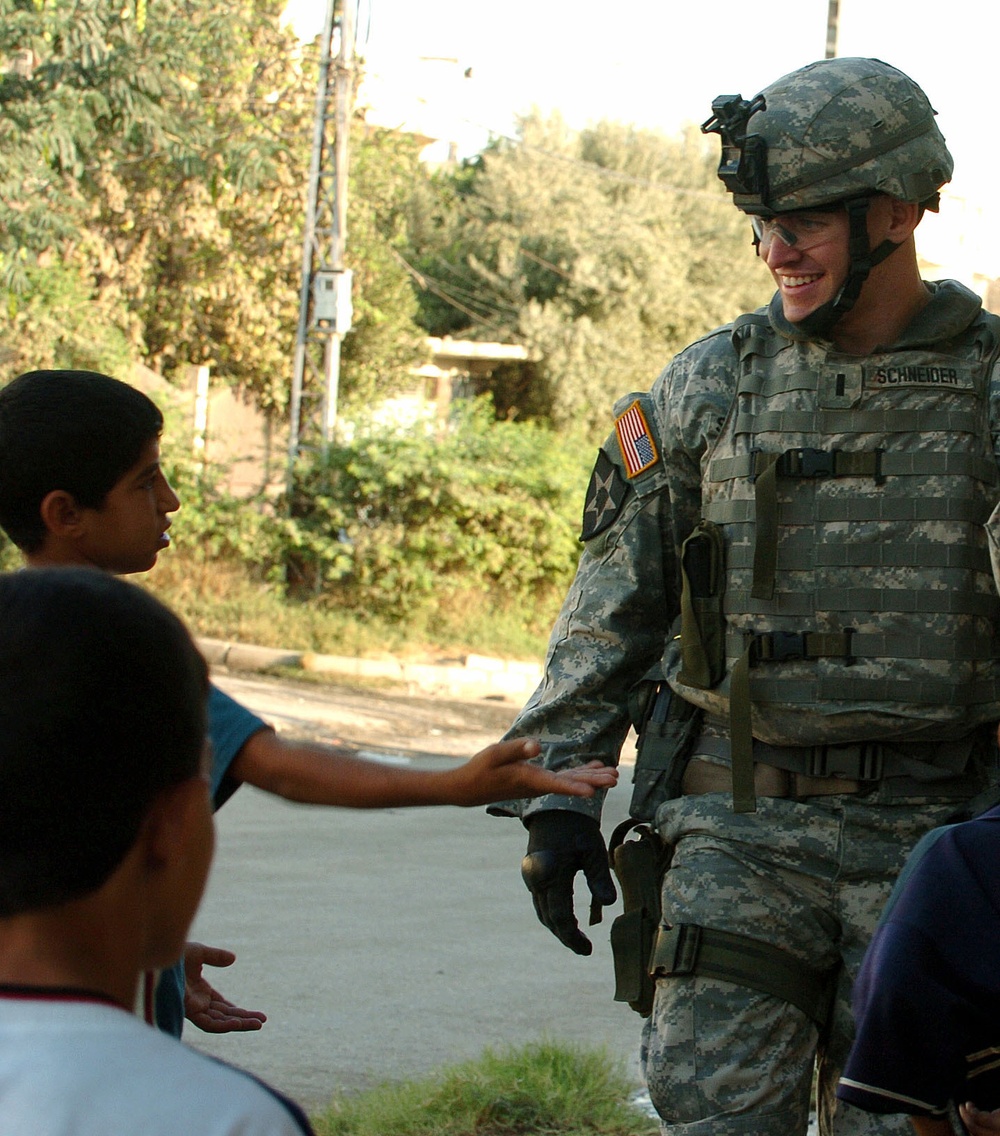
(903, 219)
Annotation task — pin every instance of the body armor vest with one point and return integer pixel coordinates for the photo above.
(847, 497)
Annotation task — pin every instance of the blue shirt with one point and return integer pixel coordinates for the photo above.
(229, 726)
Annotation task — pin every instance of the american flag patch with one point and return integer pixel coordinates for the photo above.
(635, 440)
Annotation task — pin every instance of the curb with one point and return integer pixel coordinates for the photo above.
(472, 676)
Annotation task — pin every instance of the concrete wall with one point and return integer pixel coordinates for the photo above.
(218, 426)
(222, 429)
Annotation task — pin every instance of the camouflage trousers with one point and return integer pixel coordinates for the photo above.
(810, 877)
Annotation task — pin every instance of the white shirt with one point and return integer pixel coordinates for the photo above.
(74, 1065)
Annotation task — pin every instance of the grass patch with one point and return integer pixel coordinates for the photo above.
(221, 600)
(543, 1089)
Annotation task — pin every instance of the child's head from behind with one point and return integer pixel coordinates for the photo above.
(102, 715)
(68, 439)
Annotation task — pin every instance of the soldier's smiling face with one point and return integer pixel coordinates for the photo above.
(807, 277)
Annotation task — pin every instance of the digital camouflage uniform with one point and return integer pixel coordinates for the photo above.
(894, 551)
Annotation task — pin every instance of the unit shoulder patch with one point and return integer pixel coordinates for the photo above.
(636, 440)
(606, 494)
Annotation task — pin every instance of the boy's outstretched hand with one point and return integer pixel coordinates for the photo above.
(503, 771)
(978, 1121)
(204, 1006)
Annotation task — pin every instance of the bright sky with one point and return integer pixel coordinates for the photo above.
(659, 63)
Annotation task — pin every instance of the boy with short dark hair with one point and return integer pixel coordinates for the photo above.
(81, 483)
(79, 434)
(106, 838)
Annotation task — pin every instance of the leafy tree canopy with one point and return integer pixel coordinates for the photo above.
(153, 169)
(153, 178)
(604, 251)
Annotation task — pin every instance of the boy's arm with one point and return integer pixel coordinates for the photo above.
(335, 775)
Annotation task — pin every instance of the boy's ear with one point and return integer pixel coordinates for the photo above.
(60, 513)
(175, 818)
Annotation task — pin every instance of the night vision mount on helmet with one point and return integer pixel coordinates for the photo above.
(833, 133)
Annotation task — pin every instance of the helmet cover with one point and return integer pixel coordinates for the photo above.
(831, 131)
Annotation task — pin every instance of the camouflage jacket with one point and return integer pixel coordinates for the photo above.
(644, 499)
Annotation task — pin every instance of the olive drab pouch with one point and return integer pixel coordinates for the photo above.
(639, 865)
(667, 728)
(703, 625)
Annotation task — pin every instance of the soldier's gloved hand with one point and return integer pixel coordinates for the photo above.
(560, 844)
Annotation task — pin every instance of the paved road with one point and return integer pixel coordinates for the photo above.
(386, 943)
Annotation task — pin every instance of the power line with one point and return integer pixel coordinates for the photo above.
(429, 284)
(476, 283)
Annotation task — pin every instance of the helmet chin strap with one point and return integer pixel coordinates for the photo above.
(863, 260)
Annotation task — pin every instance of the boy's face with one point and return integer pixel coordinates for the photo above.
(129, 530)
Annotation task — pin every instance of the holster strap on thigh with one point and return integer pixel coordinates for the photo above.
(689, 949)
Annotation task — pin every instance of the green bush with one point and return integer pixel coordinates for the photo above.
(460, 539)
(395, 522)
(214, 526)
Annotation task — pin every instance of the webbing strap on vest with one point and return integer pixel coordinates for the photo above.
(741, 736)
(773, 646)
(689, 949)
(964, 645)
(923, 762)
(802, 463)
(806, 462)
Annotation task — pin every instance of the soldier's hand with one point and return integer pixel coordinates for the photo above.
(560, 844)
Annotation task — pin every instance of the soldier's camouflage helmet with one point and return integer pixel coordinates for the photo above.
(831, 131)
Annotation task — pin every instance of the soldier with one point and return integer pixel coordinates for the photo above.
(788, 529)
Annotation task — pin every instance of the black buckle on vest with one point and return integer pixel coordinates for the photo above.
(777, 647)
(787, 646)
(863, 762)
(807, 462)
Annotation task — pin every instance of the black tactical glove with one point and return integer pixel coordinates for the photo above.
(560, 844)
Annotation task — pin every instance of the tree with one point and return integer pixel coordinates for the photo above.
(129, 142)
(217, 244)
(385, 341)
(604, 251)
(152, 194)
(76, 76)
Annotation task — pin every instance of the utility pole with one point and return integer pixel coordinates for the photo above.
(832, 20)
(325, 295)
